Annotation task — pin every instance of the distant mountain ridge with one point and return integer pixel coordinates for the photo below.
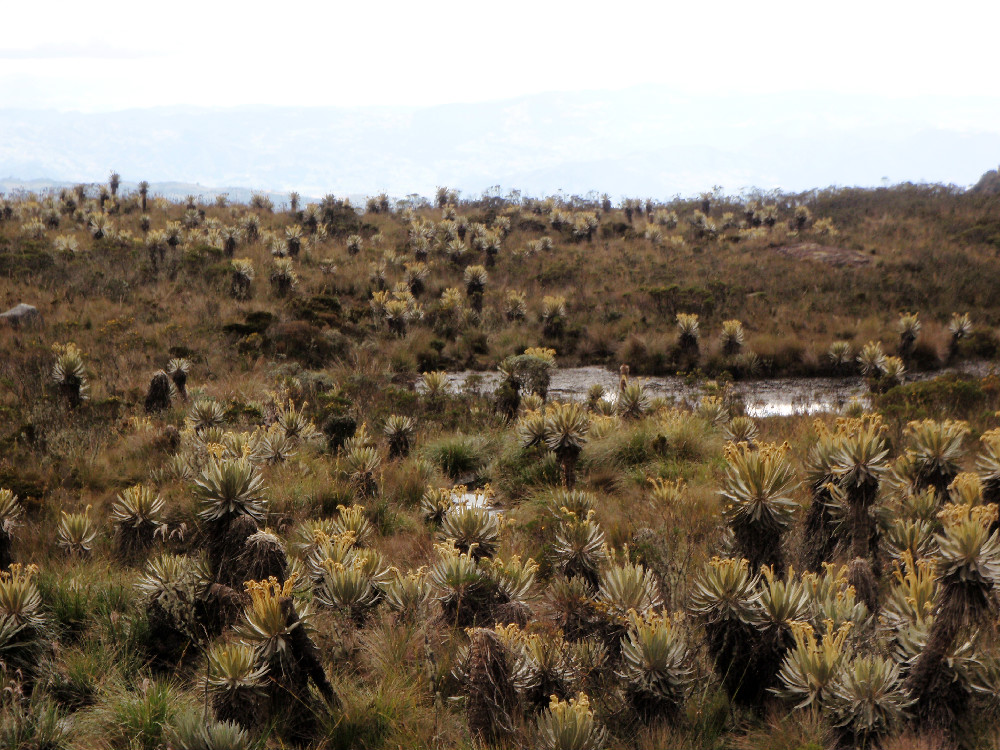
(640, 141)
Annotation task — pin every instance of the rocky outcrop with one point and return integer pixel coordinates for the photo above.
(21, 316)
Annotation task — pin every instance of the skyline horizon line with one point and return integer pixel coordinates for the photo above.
(11, 183)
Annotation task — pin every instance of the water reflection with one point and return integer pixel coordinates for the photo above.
(763, 398)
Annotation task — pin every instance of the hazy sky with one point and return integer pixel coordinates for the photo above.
(859, 90)
(112, 55)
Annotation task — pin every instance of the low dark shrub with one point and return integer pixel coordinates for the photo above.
(322, 309)
(24, 259)
(980, 344)
(257, 321)
(338, 428)
(954, 396)
(298, 340)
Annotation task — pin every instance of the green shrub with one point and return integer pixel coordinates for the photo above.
(457, 455)
(26, 259)
(953, 396)
(980, 344)
(622, 448)
(517, 471)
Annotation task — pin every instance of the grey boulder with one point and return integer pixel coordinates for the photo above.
(22, 315)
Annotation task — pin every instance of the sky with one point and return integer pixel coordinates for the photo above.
(115, 55)
(773, 94)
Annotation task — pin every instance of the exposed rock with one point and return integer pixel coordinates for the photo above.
(22, 316)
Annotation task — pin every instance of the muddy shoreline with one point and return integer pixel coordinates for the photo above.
(763, 398)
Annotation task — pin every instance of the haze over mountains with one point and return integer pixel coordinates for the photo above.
(646, 141)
